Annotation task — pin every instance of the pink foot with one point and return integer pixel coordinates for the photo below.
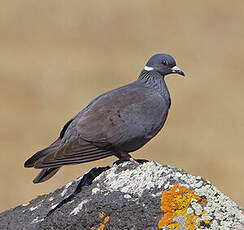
(134, 161)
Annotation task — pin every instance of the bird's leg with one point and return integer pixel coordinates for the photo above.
(134, 161)
(124, 156)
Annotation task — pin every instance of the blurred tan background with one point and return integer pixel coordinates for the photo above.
(55, 56)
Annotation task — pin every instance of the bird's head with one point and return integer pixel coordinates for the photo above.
(163, 64)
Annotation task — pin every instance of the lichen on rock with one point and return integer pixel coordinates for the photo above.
(130, 196)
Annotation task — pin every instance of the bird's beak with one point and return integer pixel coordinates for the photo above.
(176, 69)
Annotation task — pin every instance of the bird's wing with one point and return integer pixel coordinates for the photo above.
(124, 116)
(74, 152)
(67, 149)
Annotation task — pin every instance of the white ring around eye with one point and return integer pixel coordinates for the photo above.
(147, 68)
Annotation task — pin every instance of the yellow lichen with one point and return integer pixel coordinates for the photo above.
(206, 221)
(175, 202)
(174, 226)
(101, 227)
(203, 212)
(101, 214)
(191, 221)
(106, 219)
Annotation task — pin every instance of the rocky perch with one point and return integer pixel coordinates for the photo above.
(130, 196)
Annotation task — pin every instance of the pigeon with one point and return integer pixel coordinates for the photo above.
(115, 123)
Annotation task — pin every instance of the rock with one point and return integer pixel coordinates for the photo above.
(130, 196)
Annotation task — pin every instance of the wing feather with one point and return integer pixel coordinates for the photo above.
(73, 153)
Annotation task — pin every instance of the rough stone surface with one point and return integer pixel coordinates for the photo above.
(129, 196)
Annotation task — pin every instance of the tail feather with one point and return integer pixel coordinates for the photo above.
(45, 174)
(56, 155)
(31, 161)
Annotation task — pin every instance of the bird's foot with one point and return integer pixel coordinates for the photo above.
(125, 156)
(131, 159)
(141, 161)
(134, 161)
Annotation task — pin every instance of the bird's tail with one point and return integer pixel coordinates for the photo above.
(32, 160)
(46, 173)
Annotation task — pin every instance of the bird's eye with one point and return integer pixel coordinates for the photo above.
(164, 62)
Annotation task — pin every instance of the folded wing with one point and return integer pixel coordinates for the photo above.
(75, 152)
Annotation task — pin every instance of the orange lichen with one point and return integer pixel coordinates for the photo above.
(175, 202)
(191, 221)
(203, 212)
(202, 200)
(101, 227)
(206, 221)
(174, 226)
(101, 214)
(106, 219)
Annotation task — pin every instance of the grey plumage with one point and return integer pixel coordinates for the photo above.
(116, 123)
